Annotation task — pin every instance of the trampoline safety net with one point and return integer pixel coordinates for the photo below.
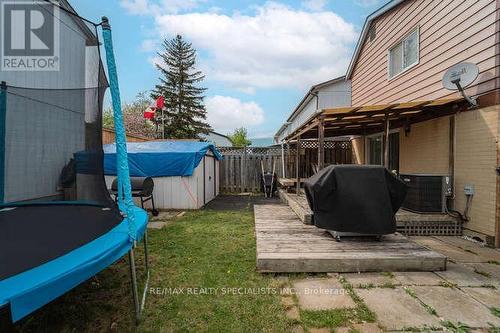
(51, 103)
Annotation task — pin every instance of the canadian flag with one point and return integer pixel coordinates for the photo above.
(150, 112)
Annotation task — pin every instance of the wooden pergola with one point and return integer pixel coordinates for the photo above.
(370, 119)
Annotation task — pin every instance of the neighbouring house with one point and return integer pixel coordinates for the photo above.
(402, 116)
(220, 140)
(328, 94)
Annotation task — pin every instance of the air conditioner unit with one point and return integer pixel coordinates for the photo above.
(427, 193)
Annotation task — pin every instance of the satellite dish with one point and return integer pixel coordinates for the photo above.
(465, 73)
(460, 76)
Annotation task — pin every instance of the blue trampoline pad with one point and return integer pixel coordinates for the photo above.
(36, 286)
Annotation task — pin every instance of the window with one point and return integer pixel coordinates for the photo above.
(404, 54)
(372, 32)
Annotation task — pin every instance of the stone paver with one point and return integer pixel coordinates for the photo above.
(395, 309)
(492, 269)
(451, 251)
(156, 225)
(487, 296)
(417, 278)
(164, 215)
(320, 330)
(455, 305)
(364, 328)
(364, 280)
(484, 252)
(464, 276)
(322, 294)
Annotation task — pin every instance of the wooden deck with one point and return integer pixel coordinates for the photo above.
(285, 244)
(408, 223)
(299, 206)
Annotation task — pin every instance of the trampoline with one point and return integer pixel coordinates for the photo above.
(57, 230)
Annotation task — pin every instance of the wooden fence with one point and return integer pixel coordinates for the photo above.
(241, 169)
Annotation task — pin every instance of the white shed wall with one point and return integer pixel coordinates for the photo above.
(178, 192)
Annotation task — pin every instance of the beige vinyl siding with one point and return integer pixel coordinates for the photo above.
(450, 32)
(475, 163)
(426, 148)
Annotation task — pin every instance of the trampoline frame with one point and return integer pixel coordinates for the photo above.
(124, 195)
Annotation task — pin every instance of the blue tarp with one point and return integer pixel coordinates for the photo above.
(36, 287)
(160, 158)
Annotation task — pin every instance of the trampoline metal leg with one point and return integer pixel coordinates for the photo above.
(146, 261)
(139, 307)
(133, 277)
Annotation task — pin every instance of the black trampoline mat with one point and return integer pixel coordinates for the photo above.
(33, 235)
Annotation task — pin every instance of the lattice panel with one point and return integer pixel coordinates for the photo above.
(430, 228)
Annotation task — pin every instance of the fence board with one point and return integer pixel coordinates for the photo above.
(241, 170)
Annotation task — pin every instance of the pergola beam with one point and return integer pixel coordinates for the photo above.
(374, 115)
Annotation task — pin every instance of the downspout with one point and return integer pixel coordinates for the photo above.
(463, 217)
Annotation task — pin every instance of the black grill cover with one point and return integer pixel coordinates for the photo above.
(355, 198)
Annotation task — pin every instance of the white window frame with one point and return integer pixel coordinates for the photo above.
(401, 42)
(381, 135)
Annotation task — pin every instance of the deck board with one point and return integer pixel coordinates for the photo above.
(285, 244)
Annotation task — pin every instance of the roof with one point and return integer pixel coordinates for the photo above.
(371, 118)
(307, 97)
(159, 158)
(364, 33)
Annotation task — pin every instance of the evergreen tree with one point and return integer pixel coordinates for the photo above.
(185, 114)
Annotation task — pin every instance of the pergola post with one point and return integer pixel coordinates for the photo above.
(386, 141)
(321, 142)
(297, 166)
(288, 161)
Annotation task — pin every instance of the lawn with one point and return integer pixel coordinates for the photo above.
(207, 249)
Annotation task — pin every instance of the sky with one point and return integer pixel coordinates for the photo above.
(259, 57)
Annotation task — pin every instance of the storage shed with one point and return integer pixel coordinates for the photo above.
(185, 173)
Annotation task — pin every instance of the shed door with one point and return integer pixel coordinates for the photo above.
(209, 178)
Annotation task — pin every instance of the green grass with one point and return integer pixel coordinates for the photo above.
(204, 249)
(485, 274)
(456, 327)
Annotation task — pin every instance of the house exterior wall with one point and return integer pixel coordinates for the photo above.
(337, 94)
(475, 163)
(425, 149)
(450, 32)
